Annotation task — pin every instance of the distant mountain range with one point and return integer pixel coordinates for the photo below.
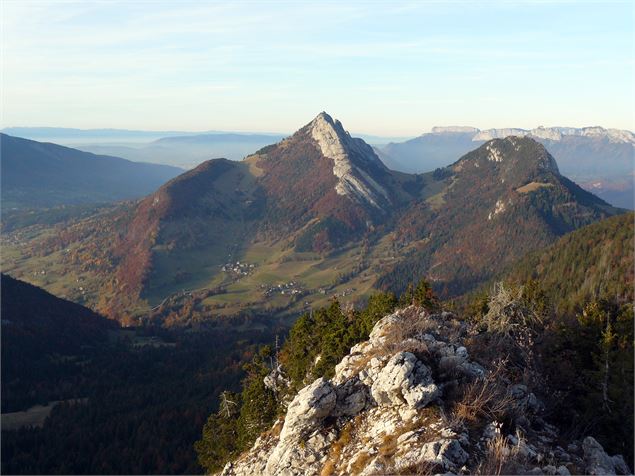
(313, 216)
(188, 151)
(38, 174)
(601, 160)
(66, 135)
(176, 148)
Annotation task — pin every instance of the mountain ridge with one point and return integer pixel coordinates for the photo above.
(44, 174)
(542, 132)
(601, 160)
(425, 394)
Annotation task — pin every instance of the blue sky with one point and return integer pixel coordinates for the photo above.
(391, 68)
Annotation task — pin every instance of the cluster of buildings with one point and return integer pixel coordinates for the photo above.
(292, 288)
(238, 268)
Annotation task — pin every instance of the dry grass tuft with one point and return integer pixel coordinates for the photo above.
(421, 468)
(401, 337)
(333, 459)
(405, 334)
(360, 462)
(388, 446)
(328, 469)
(484, 399)
(500, 458)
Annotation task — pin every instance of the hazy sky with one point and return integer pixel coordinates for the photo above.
(381, 67)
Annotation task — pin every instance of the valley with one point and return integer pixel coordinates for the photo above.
(348, 273)
(75, 383)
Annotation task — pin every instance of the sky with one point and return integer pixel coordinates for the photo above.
(384, 68)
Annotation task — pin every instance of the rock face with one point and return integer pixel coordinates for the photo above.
(336, 144)
(304, 416)
(385, 412)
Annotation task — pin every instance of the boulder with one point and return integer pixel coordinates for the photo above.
(349, 366)
(448, 453)
(307, 410)
(404, 381)
(620, 465)
(598, 462)
(352, 398)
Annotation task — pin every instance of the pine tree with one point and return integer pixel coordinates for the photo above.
(220, 436)
(259, 405)
(423, 296)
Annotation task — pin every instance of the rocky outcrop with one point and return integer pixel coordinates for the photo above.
(305, 415)
(598, 462)
(404, 379)
(388, 410)
(353, 181)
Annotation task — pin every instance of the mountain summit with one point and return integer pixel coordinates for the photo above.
(511, 157)
(354, 162)
(324, 186)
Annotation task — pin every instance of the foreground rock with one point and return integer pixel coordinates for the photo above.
(391, 408)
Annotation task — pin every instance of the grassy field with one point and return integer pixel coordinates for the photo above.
(49, 273)
(347, 274)
(321, 278)
(532, 186)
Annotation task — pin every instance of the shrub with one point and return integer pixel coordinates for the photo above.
(420, 295)
(510, 313)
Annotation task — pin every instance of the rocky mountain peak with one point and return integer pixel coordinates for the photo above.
(355, 163)
(323, 119)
